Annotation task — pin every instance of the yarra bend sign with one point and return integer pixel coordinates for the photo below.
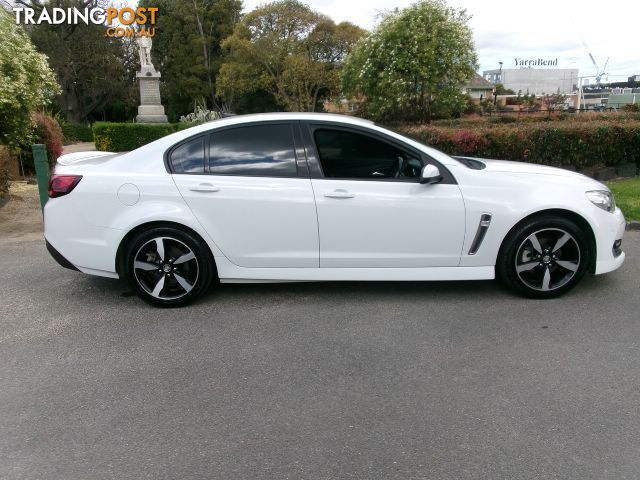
(535, 62)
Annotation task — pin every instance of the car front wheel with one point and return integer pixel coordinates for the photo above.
(544, 257)
(168, 267)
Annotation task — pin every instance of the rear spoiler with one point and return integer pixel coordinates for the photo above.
(84, 157)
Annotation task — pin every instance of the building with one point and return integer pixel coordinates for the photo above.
(342, 105)
(620, 97)
(538, 81)
(478, 88)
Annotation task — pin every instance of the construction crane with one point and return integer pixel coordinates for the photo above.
(600, 73)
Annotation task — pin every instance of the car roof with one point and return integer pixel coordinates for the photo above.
(298, 116)
(275, 116)
(159, 147)
(169, 140)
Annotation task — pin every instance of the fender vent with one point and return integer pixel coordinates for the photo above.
(483, 226)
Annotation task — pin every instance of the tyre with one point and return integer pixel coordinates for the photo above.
(168, 267)
(544, 257)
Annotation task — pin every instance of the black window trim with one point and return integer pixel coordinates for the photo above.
(315, 167)
(302, 170)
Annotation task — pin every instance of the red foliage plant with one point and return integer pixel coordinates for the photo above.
(49, 133)
(580, 143)
(468, 141)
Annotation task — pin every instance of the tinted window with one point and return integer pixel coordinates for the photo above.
(345, 154)
(189, 157)
(254, 150)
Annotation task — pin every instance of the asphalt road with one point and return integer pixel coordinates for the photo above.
(317, 381)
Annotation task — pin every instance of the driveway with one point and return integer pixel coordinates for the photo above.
(317, 381)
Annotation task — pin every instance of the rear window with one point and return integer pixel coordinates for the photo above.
(188, 157)
(263, 150)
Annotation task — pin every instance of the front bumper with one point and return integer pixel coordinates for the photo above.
(610, 258)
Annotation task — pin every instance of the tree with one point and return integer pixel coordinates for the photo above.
(93, 70)
(500, 90)
(487, 106)
(552, 102)
(26, 83)
(530, 102)
(288, 50)
(414, 65)
(187, 51)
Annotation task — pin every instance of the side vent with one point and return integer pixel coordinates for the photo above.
(483, 226)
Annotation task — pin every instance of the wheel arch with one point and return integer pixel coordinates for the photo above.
(155, 224)
(578, 219)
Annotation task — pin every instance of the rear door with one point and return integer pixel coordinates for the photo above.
(249, 187)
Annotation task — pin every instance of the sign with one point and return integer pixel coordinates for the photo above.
(537, 62)
(119, 21)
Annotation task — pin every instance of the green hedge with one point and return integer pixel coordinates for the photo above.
(76, 132)
(124, 137)
(580, 144)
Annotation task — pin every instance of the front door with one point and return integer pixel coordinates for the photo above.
(372, 210)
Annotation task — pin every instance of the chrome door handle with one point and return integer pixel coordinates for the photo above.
(205, 187)
(340, 193)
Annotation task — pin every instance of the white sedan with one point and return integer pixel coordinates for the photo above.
(316, 197)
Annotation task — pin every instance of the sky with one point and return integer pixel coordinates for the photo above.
(548, 29)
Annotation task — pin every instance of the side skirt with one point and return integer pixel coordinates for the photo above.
(230, 273)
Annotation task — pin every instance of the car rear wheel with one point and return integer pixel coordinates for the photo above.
(544, 257)
(168, 267)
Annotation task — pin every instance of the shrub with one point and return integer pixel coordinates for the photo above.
(631, 108)
(76, 132)
(581, 144)
(124, 137)
(5, 182)
(201, 114)
(26, 83)
(502, 119)
(49, 133)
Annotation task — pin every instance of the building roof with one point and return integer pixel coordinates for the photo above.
(478, 83)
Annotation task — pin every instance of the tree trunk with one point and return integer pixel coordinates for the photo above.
(205, 55)
(71, 104)
(315, 99)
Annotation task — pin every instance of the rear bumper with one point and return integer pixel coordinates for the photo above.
(58, 257)
(77, 243)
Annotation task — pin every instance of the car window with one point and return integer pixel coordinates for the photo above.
(265, 150)
(188, 157)
(347, 154)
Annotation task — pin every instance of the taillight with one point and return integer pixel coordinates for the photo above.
(60, 185)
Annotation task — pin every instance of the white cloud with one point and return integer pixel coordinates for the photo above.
(525, 29)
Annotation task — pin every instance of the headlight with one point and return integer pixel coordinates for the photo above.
(603, 199)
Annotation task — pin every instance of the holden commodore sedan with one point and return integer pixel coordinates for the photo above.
(317, 197)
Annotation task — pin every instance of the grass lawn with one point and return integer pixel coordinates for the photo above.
(627, 193)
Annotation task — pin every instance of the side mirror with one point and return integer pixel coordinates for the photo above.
(430, 175)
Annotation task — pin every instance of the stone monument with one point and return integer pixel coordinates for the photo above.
(150, 109)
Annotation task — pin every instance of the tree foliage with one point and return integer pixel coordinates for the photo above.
(501, 90)
(554, 102)
(288, 50)
(26, 83)
(96, 72)
(186, 49)
(413, 66)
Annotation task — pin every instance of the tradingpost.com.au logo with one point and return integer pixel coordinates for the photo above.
(119, 21)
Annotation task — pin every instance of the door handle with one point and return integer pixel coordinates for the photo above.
(340, 193)
(205, 187)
